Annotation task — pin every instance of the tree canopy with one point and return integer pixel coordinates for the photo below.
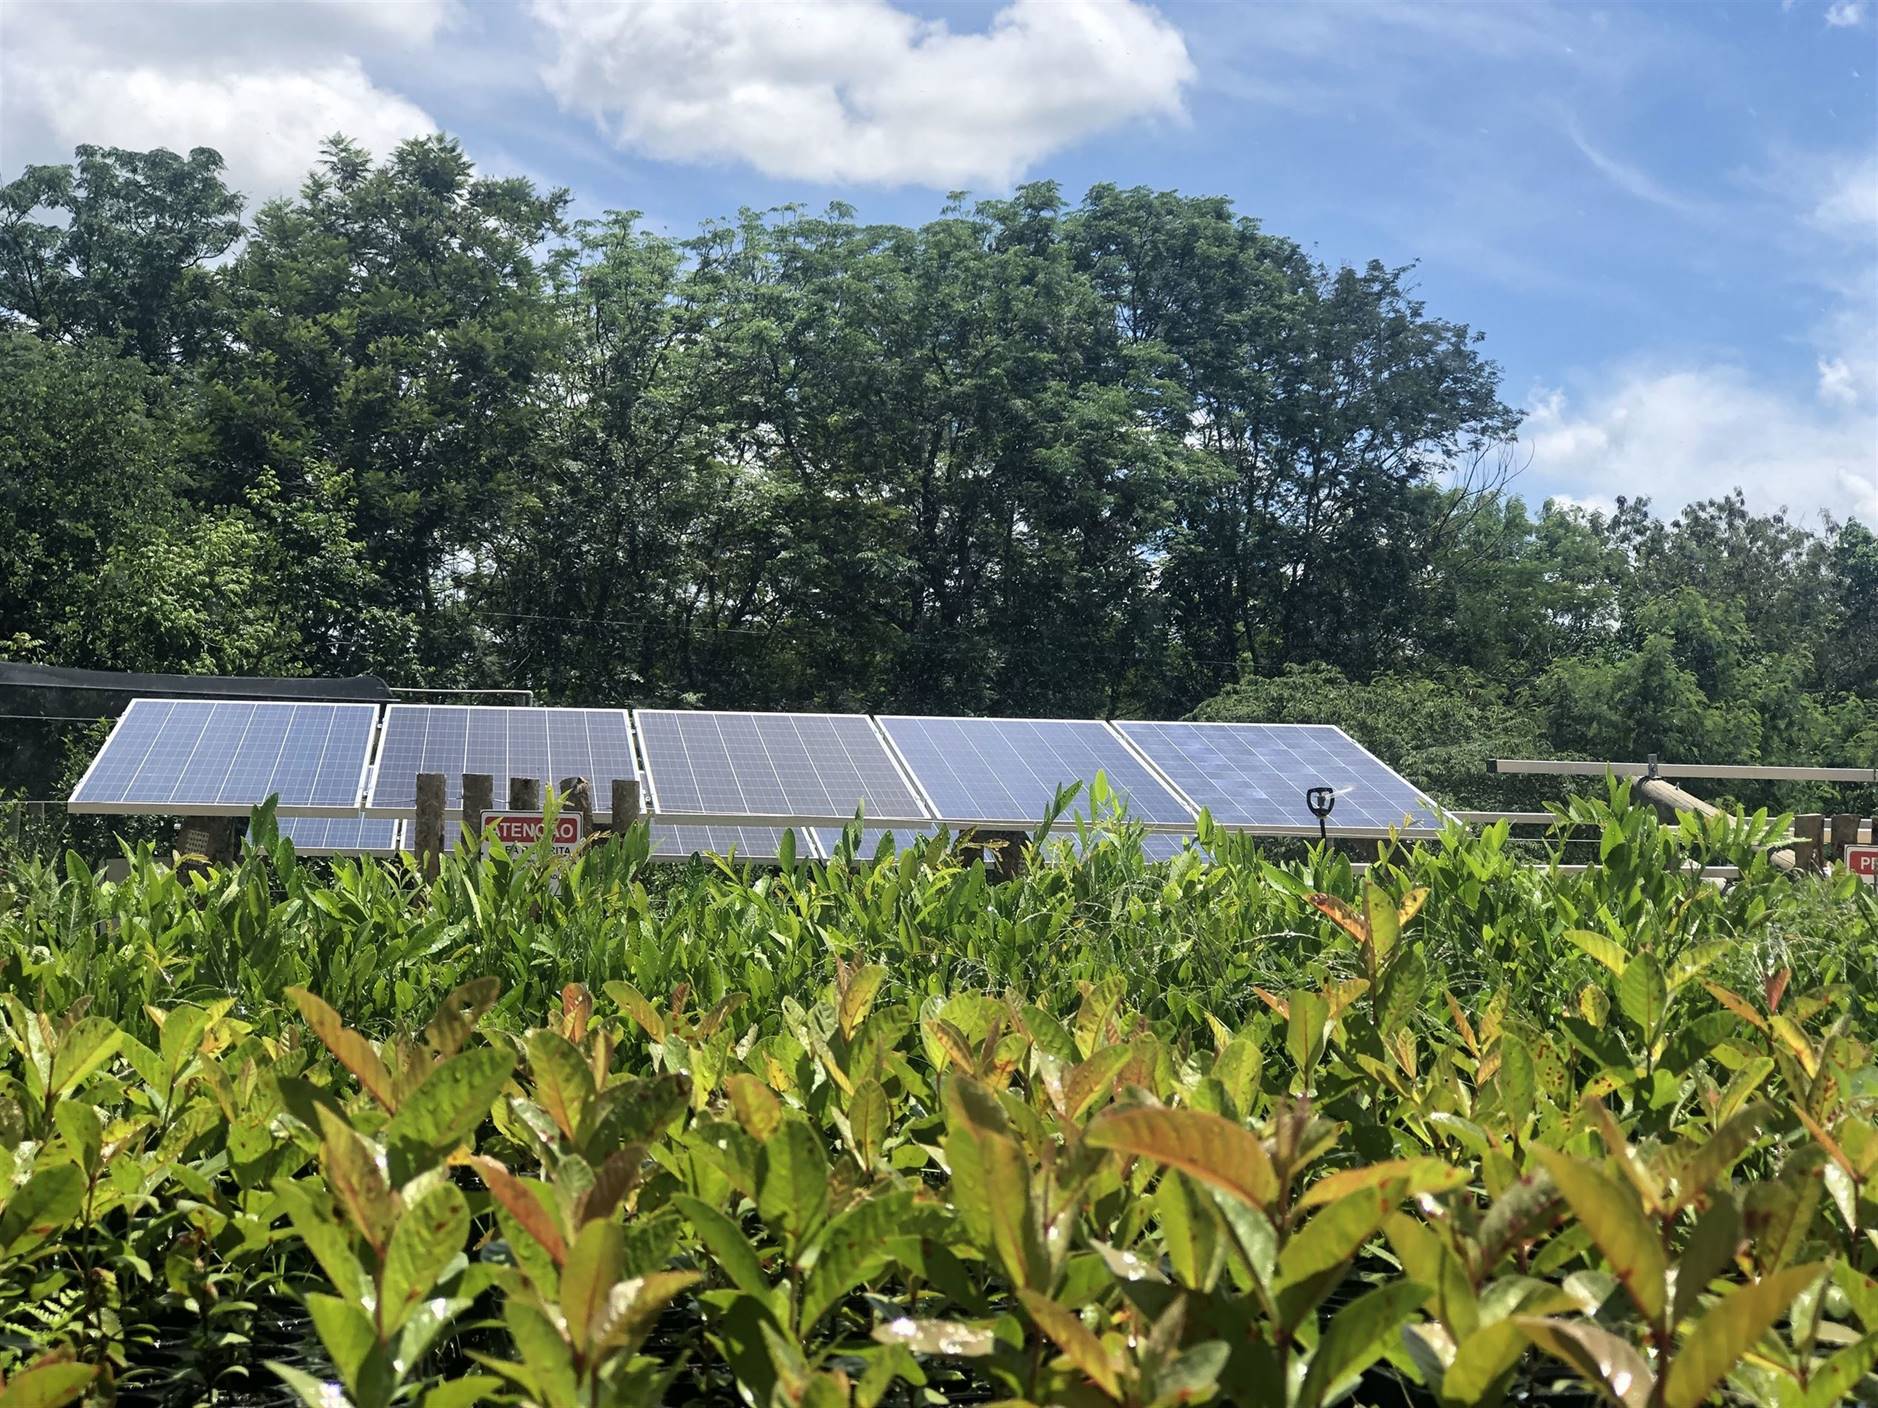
(1126, 454)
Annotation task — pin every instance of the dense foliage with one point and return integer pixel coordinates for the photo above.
(579, 1133)
(1031, 457)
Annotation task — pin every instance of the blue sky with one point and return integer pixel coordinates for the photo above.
(1665, 219)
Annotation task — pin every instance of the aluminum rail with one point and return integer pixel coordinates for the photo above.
(1566, 767)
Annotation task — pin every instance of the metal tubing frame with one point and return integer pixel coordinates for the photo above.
(1566, 767)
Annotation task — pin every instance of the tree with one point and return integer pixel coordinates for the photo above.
(393, 323)
(127, 254)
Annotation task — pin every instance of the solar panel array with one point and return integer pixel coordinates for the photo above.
(452, 739)
(728, 782)
(780, 765)
(1255, 775)
(1007, 770)
(219, 758)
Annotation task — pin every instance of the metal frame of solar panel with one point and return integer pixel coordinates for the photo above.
(504, 741)
(984, 772)
(739, 768)
(200, 757)
(355, 835)
(1252, 777)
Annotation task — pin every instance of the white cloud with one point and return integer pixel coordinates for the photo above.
(262, 84)
(1681, 435)
(1843, 14)
(863, 91)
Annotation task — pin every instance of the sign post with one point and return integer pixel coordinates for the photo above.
(518, 828)
(1862, 861)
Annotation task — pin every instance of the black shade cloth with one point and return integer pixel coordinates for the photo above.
(51, 690)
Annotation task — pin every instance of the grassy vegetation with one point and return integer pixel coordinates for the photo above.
(1240, 1128)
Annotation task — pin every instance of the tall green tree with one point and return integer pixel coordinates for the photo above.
(393, 324)
(119, 245)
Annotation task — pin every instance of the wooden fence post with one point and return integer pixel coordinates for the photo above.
(479, 799)
(1844, 833)
(524, 794)
(428, 828)
(1808, 851)
(625, 801)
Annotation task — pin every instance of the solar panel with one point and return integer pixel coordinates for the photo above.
(1006, 770)
(545, 744)
(356, 835)
(1256, 775)
(199, 757)
(770, 765)
(751, 843)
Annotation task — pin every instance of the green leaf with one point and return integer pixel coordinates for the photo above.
(758, 1109)
(563, 1079)
(452, 1101)
(1481, 1362)
(1418, 1175)
(346, 1332)
(1093, 1079)
(355, 1053)
(315, 1393)
(854, 1247)
(632, 1307)
(519, 1198)
(1315, 1259)
(725, 1241)
(464, 1391)
(1189, 1231)
(1071, 1336)
(329, 1243)
(1361, 1332)
(867, 1121)
(1709, 1251)
(1212, 1149)
(1830, 1385)
(86, 1045)
(633, 1003)
(429, 1234)
(181, 1035)
(1518, 1079)
(355, 1175)
(593, 1267)
(1609, 1212)
(1379, 909)
(1719, 1154)
(1608, 1364)
(792, 1178)
(50, 1200)
(991, 1177)
(1728, 1331)
(1609, 952)
(863, 984)
(1643, 995)
(49, 1383)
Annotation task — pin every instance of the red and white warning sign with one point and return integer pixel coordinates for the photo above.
(1862, 861)
(514, 829)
